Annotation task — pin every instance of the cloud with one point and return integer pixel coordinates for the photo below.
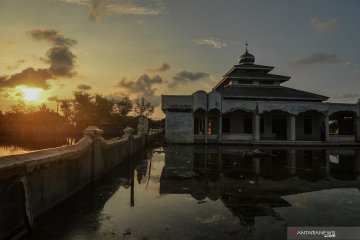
(212, 42)
(163, 68)
(15, 65)
(59, 57)
(98, 8)
(315, 58)
(94, 10)
(84, 87)
(52, 36)
(325, 26)
(29, 77)
(61, 60)
(184, 77)
(346, 96)
(142, 87)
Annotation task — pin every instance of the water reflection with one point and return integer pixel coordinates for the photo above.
(197, 192)
(15, 144)
(252, 182)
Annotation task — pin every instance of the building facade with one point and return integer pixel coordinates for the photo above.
(250, 104)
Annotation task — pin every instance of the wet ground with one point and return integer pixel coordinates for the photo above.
(194, 192)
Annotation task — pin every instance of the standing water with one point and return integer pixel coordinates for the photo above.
(197, 192)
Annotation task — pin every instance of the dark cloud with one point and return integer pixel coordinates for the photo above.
(52, 36)
(62, 61)
(143, 87)
(184, 77)
(84, 87)
(59, 57)
(163, 67)
(316, 58)
(29, 77)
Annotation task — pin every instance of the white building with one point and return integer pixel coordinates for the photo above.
(250, 105)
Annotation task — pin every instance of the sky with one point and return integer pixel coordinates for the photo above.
(146, 48)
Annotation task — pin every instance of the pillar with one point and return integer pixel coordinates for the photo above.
(291, 157)
(291, 128)
(256, 126)
(326, 121)
(206, 127)
(220, 128)
(357, 129)
(256, 165)
(97, 163)
(327, 163)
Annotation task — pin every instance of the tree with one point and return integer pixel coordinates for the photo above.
(143, 107)
(66, 107)
(122, 107)
(102, 109)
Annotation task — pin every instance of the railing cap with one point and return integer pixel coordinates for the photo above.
(93, 131)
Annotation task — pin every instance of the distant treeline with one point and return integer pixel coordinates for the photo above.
(72, 116)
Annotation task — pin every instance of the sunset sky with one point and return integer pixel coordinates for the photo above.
(147, 48)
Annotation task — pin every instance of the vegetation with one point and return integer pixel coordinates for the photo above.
(83, 110)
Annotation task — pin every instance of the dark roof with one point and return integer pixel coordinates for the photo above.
(259, 76)
(269, 93)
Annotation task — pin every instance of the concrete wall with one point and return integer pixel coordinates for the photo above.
(52, 175)
(179, 127)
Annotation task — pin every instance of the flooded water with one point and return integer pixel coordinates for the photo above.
(12, 145)
(197, 192)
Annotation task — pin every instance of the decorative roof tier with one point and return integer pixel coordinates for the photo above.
(250, 81)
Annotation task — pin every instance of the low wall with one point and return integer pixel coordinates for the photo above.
(49, 176)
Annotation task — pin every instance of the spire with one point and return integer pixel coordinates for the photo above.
(246, 46)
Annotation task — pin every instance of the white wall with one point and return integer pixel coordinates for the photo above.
(179, 127)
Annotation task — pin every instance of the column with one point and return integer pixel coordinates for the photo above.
(220, 128)
(291, 128)
(256, 165)
(256, 127)
(206, 127)
(327, 162)
(291, 157)
(326, 120)
(357, 129)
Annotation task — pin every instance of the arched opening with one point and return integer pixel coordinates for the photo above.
(199, 125)
(342, 126)
(213, 127)
(199, 122)
(237, 125)
(310, 126)
(274, 125)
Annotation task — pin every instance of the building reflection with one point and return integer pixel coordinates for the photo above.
(251, 182)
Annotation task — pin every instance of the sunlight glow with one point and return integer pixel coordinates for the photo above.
(31, 94)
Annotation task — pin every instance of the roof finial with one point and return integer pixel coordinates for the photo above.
(246, 46)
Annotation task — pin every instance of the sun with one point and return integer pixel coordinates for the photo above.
(31, 94)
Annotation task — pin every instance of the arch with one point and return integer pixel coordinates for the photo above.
(277, 111)
(310, 125)
(309, 111)
(199, 100)
(342, 122)
(199, 121)
(238, 109)
(274, 124)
